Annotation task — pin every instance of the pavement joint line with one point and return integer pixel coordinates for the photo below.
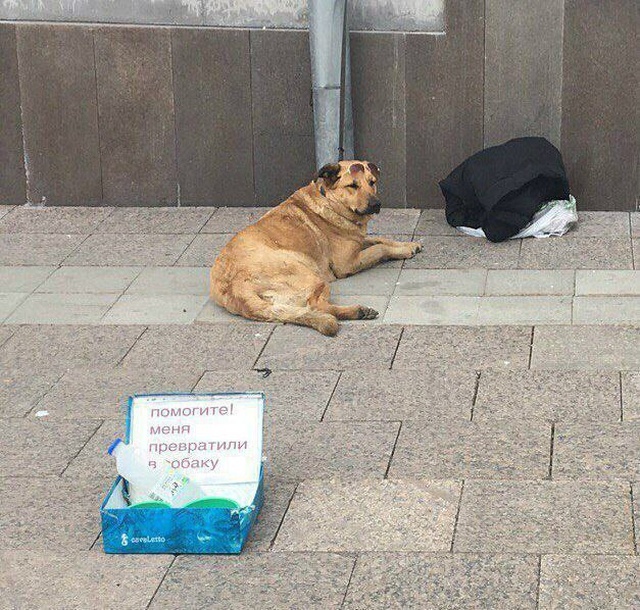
(46, 392)
(333, 391)
(284, 514)
(553, 434)
(393, 359)
(620, 389)
(102, 422)
(475, 394)
(173, 560)
(531, 340)
(264, 345)
(215, 210)
(538, 582)
(455, 522)
(633, 521)
(117, 364)
(393, 451)
(346, 590)
(175, 262)
(74, 250)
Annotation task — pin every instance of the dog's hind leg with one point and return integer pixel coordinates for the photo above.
(320, 300)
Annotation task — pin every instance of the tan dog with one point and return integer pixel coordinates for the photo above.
(279, 268)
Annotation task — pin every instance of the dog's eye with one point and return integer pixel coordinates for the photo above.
(372, 182)
(353, 186)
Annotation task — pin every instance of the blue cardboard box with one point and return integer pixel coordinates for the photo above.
(176, 530)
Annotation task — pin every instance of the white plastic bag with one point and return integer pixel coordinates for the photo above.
(554, 218)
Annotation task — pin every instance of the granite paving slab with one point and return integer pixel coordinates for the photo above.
(403, 395)
(51, 512)
(377, 281)
(464, 253)
(212, 313)
(378, 302)
(449, 347)
(571, 517)
(172, 281)
(255, 580)
(5, 209)
(586, 348)
(136, 249)
(525, 310)
(37, 248)
(340, 450)
(23, 279)
(577, 253)
(355, 347)
(524, 282)
(5, 333)
(203, 250)
(635, 224)
(635, 244)
(597, 451)
(431, 310)
(102, 391)
(290, 395)
(9, 302)
(57, 579)
(204, 347)
(232, 220)
(607, 310)
(434, 222)
(548, 395)
(47, 219)
(48, 308)
(441, 282)
(472, 450)
(588, 582)
(156, 220)
(631, 396)
(370, 515)
(62, 347)
(89, 280)
(393, 221)
(440, 582)
(620, 282)
(155, 309)
(601, 224)
(40, 446)
(22, 388)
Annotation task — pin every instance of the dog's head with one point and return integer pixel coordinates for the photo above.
(352, 186)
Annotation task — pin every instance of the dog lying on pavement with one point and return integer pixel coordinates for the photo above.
(279, 269)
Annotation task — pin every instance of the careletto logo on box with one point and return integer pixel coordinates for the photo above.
(124, 539)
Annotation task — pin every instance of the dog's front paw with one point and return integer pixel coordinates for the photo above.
(367, 313)
(413, 247)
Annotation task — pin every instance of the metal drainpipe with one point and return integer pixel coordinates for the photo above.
(328, 37)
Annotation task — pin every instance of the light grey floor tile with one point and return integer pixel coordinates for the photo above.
(355, 346)
(171, 280)
(465, 253)
(23, 279)
(9, 301)
(40, 446)
(45, 308)
(586, 348)
(441, 282)
(548, 395)
(606, 310)
(434, 222)
(472, 450)
(109, 250)
(445, 347)
(523, 282)
(212, 313)
(290, 395)
(631, 395)
(433, 310)
(588, 582)
(607, 283)
(90, 280)
(306, 450)
(374, 301)
(525, 310)
(601, 224)
(204, 249)
(370, 515)
(36, 249)
(102, 391)
(597, 451)
(392, 221)
(576, 253)
(82, 579)
(378, 281)
(442, 582)
(232, 220)
(544, 517)
(156, 220)
(255, 580)
(403, 395)
(155, 309)
(62, 219)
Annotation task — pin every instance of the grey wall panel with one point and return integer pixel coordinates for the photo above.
(378, 79)
(137, 130)
(601, 102)
(12, 179)
(523, 69)
(444, 84)
(212, 89)
(58, 93)
(282, 114)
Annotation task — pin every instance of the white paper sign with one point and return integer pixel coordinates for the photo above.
(214, 439)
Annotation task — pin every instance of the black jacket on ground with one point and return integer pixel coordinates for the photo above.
(499, 189)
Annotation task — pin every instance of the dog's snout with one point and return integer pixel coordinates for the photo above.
(374, 205)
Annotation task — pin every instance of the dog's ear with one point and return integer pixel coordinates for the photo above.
(329, 173)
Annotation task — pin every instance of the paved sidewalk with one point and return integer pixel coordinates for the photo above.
(478, 446)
